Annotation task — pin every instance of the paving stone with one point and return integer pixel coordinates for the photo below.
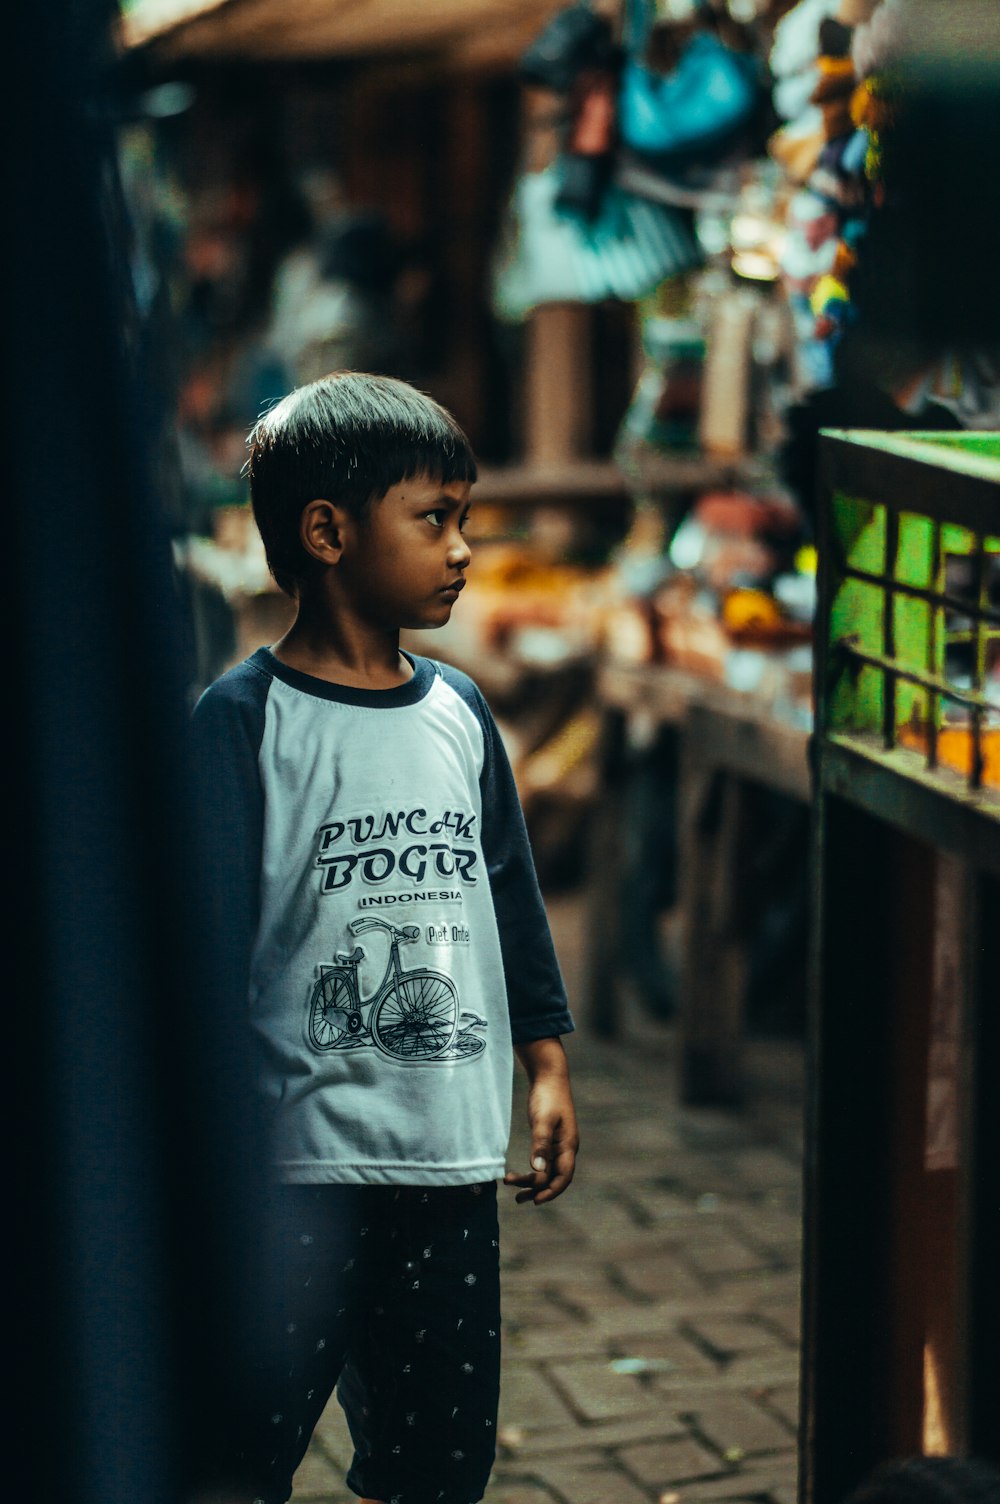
(713, 1255)
(655, 1318)
(729, 1335)
(316, 1476)
(773, 1224)
(670, 1346)
(587, 1481)
(658, 1205)
(761, 1167)
(644, 1137)
(596, 1392)
(536, 1310)
(501, 1492)
(528, 1400)
(608, 1167)
(658, 1275)
(574, 1339)
(764, 1369)
(757, 1290)
(736, 1485)
(784, 1400)
(607, 1435)
(663, 1463)
(783, 1318)
(675, 1387)
(535, 1276)
(734, 1423)
(333, 1436)
(786, 1494)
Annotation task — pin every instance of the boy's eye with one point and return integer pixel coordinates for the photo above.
(436, 518)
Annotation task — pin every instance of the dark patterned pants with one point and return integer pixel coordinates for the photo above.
(391, 1295)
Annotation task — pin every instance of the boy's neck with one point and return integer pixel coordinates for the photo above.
(349, 653)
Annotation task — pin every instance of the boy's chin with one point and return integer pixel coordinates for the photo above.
(427, 621)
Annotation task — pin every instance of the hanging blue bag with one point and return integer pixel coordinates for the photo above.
(695, 114)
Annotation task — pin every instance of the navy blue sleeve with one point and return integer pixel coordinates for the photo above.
(535, 993)
(227, 727)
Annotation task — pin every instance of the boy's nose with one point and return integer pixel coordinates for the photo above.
(459, 553)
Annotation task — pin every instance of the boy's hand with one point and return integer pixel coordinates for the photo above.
(552, 1119)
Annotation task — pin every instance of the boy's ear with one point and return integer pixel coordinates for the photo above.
(321, 530)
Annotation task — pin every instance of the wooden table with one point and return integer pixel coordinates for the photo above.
(730, 747)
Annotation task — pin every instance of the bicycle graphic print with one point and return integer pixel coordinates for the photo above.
(413, 1017)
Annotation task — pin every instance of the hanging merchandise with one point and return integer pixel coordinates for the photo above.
(696, 113)
(576, 40)
(555, 257)
(682, 132)
(576, 57)
(794, 69)
(588, 157)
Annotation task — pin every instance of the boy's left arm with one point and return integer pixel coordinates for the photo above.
(552, 1120)
(536, 996)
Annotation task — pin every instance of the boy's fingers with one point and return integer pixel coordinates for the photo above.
(541, 1150)
(564, 1171)
(540, 1188)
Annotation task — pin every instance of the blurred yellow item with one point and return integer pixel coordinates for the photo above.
(827, 290)
(751, 611)
(871, 108)
(834, 67)
(806, 559)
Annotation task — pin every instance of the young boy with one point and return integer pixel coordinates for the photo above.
(397, 951)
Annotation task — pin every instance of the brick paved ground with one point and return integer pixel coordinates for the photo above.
(651, 1315)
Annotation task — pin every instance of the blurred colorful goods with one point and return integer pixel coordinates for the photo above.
(666, 402)
(552, 257)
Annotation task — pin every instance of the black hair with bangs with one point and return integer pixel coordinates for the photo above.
(348, 438)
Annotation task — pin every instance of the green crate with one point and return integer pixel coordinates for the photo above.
(911, 590)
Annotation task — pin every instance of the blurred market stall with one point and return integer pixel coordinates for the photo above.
(645, 250)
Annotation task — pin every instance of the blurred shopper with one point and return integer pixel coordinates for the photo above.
(333, 296)
(930, 1480)
(358, 791)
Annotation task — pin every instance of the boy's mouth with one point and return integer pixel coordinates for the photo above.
(450, 592)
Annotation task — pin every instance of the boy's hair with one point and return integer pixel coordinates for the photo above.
(347, 438)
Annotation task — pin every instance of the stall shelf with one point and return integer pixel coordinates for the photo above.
(902, 1236)
(730, 746)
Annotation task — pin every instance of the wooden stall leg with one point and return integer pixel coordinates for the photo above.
(605, 858)
(713, 982)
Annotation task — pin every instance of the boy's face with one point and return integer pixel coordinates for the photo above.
(404, 563)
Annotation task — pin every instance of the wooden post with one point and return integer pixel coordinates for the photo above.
(557, 395)
(557, 385)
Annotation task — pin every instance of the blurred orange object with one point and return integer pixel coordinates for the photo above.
(751, 611)
(954, 749)
(755, 619)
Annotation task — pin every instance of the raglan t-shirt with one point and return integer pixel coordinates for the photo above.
(379, 881)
